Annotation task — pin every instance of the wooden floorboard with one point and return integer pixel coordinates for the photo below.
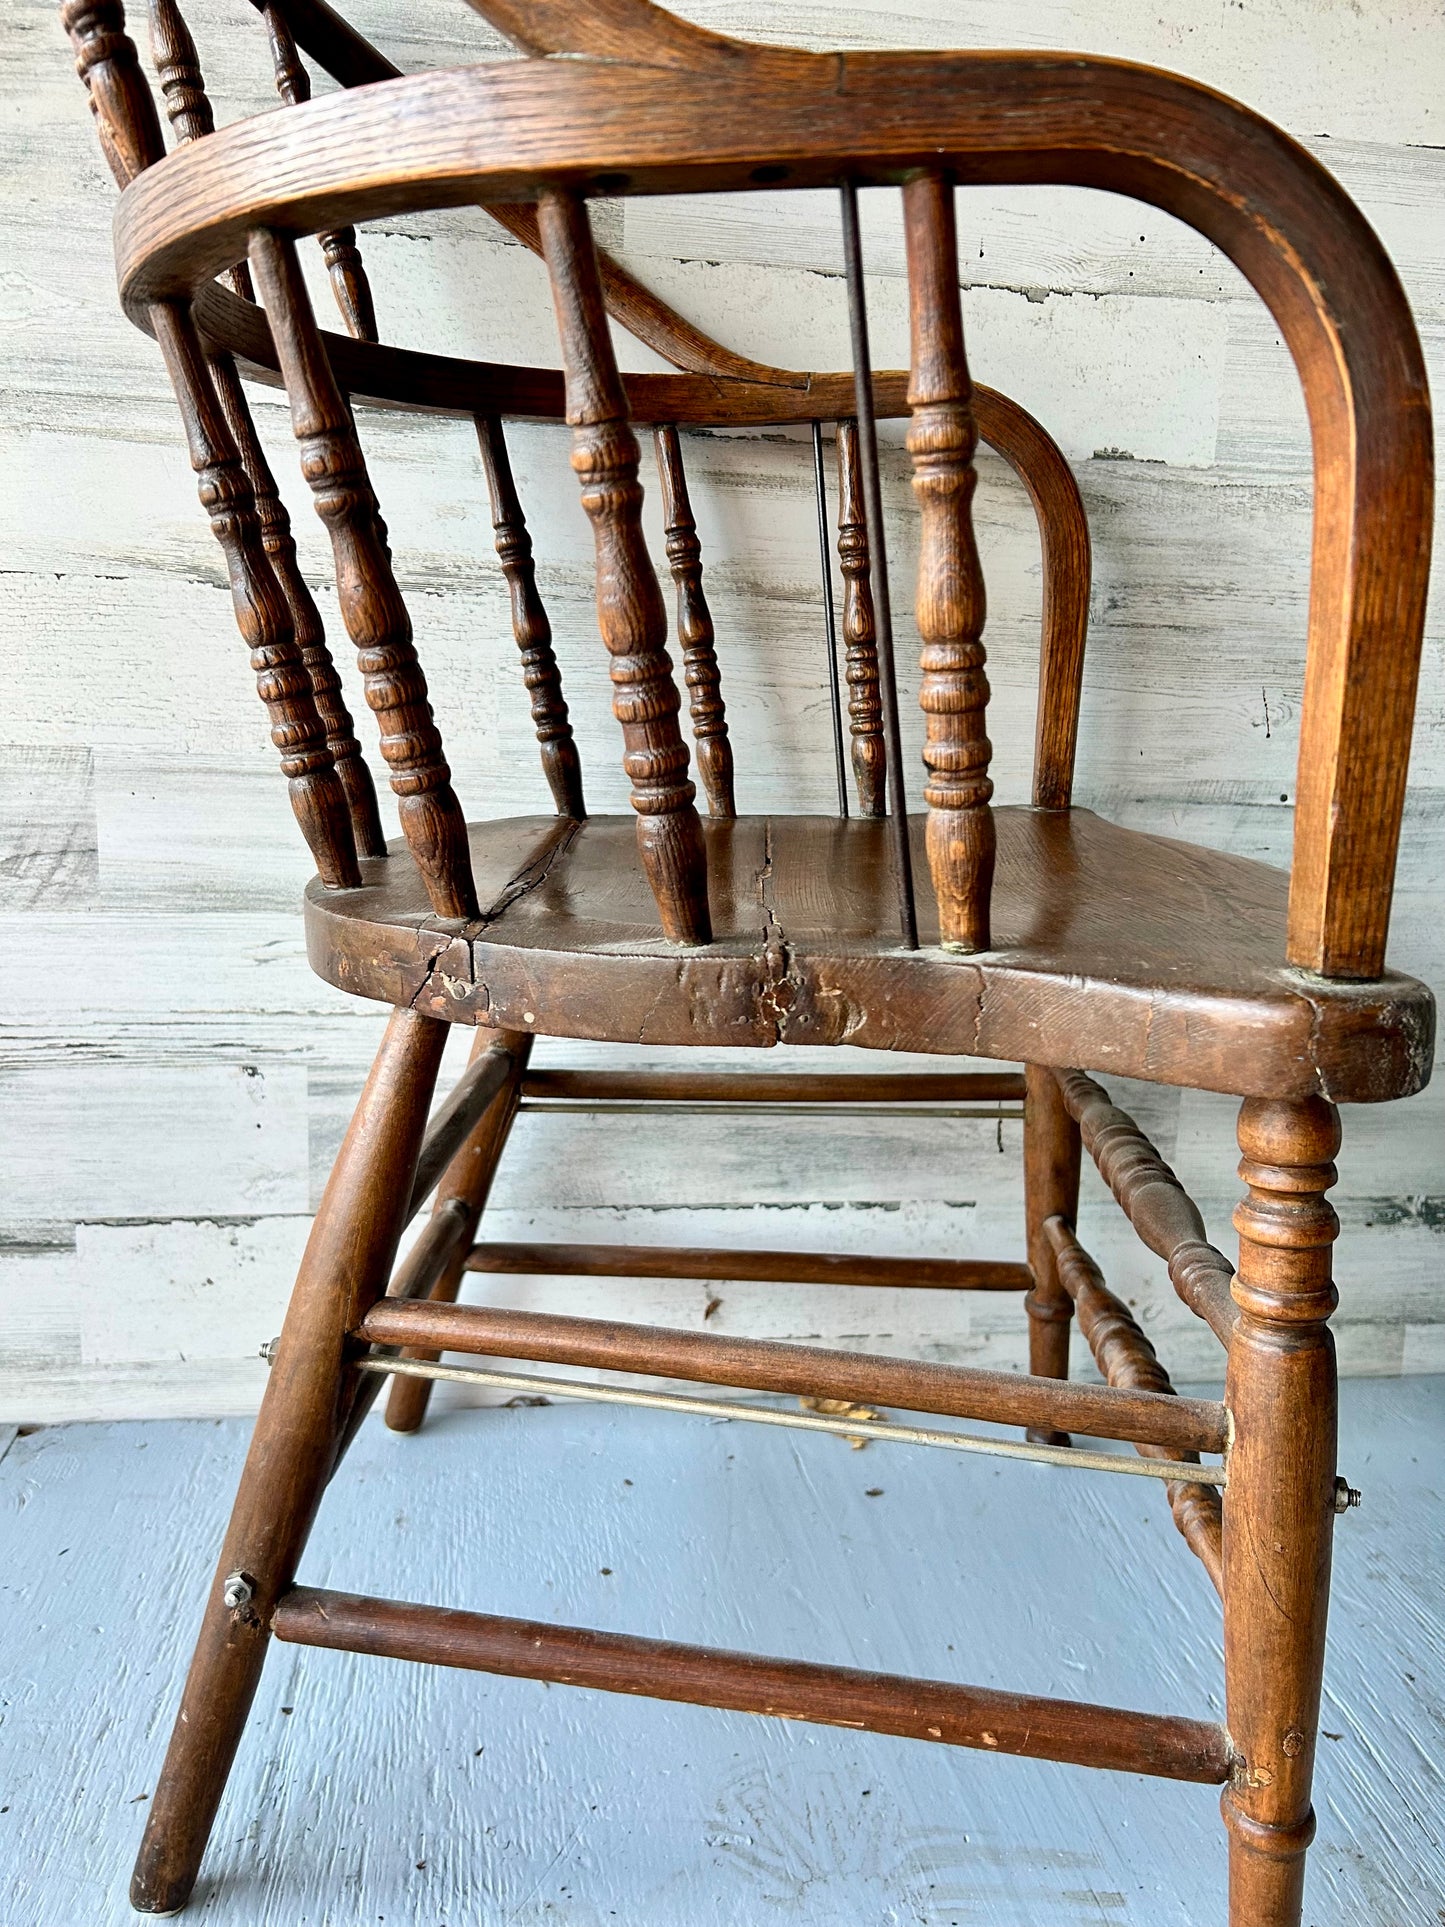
(371, 1792)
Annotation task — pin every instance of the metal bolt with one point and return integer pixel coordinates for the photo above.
(238, 1591)
(1346, 1495)
(268, 1350)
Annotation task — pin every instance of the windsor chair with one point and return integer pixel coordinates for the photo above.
(1040, 935)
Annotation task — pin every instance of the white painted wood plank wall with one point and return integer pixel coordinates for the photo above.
(174, 1081)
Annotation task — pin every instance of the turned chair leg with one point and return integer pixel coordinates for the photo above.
(1279, 1506)
(347, 1262)
(1051, 1189)
(469, 1178)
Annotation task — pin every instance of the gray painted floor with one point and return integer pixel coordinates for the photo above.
(372, 1792)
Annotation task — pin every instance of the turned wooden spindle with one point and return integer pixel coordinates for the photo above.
(262, 612)
(860, 632)
(1279, 1509)
(280, 546)
(695, 628)
(630, 612)
(188, 106)
(950, 601)
(372, 608)
(344, 267)
(530, 625)
(131, 140)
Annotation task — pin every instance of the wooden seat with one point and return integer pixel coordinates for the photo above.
(1112, 951)
(1041, 935)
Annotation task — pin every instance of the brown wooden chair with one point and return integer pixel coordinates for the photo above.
(1041, 934)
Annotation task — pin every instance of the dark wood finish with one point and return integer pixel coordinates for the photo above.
(771, 1267)
(760, 1365)
(461, 1199)
(530, 626)
(976, 1716)
(1101, 955)
(371, 604)
(1259, 197)
(949, 608)
(1127, 1360)
(779, 1087)
(694, 627)
(348, 1256)
(1154, 1201)
(629, 603)
(1051, 1189)
(860, 638)
(1279, 1510)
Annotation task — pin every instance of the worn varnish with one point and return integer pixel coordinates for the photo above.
(1044, 935)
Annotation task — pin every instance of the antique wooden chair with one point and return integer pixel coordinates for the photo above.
(1040, 935)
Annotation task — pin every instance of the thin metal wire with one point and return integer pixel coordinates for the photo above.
(878, 566)
(702, 1107)
(830, 627)
(1175, 1470)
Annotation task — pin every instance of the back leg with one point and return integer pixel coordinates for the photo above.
(344, 1271)
(468, 1177)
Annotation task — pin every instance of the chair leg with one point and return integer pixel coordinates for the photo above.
(469, 1177)
(1051, 1186)
(348, 1260)
(1279, 1505)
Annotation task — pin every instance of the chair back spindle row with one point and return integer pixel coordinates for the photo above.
(183, 88)
(371, 604)
(630, 612)
(530, 625)
(130, 137)
(695, 628)
(950, 602)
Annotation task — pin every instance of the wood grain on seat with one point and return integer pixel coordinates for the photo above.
(1113, 950)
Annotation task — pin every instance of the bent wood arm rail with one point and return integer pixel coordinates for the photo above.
(505, 133)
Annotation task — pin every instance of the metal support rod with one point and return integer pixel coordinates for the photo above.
(878, 566)
(830, 626)
(535, 1384)
(664, 1107)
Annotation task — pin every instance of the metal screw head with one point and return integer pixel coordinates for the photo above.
(239, 1590)
(268, 1350)
(1346, 1495)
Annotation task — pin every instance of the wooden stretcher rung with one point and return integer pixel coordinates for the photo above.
(771, 1267)
(763, 1365)
(993, 1721)
(777, 1087)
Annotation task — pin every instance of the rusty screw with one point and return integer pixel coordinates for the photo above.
(1346, 1495)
